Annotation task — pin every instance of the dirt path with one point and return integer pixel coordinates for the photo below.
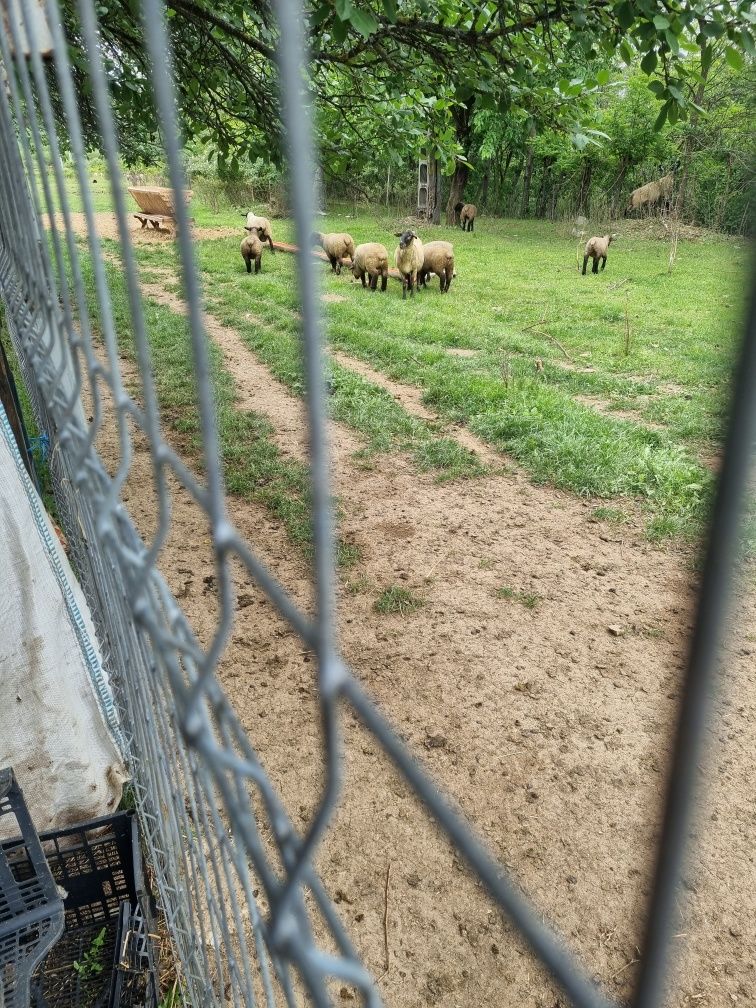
(547, 727)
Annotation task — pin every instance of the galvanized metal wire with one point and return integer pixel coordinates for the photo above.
(208, 810)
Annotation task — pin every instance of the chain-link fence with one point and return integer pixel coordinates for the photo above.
(247, 915)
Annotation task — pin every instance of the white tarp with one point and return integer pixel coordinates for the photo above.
(53, 691)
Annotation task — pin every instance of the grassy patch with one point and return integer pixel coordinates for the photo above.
(254, 467)
(527, 599)
(397, 601)
(264, 313)
(608, 514)
(518, 299)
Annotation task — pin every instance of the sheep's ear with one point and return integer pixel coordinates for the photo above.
(398, 234)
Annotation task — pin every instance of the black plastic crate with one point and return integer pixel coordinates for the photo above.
(31, 909)
(98, 864)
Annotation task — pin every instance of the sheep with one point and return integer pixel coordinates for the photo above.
(650, 193)
(438, 258)
(409, 259)
(371, 259)
(263, 228)
(596, 248)
(251, 248)
(467, 214)
(336, 246)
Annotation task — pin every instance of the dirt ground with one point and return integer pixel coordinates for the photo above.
(549, 727)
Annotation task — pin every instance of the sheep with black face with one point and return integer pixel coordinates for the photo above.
(409, 260)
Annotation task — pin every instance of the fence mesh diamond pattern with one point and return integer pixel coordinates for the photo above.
(248, 918)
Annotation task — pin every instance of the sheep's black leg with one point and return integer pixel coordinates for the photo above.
(362, 278)
(270, 242)
(585, 263)
(412, 285)
(384, 281)
(249, 265)
(374, 282)
(472, 224)
(404, 288)
(258, 264)
(595, 265)
(603, 262)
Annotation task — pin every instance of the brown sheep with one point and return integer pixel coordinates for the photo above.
(408, 257)
(262, 224)
(651, 193)
(597, 248)
(371, 259)
(251, 248)
(438, 258)
(335, 245)
(467, 214)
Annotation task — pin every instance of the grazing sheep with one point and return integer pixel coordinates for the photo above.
(648, 195)
(467, 214)
(263, 228)
(597, 248)
(335, 245)
(251, 248)
(438, 258)
(371, 259)
(409, 259)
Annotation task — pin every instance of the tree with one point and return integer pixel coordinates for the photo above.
(412, 62)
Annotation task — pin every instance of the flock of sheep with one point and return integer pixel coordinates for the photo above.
(369, 262)
(414, 260)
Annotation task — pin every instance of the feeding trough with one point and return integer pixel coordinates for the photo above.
(156, 206)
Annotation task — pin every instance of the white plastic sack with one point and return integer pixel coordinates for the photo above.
(52, 728)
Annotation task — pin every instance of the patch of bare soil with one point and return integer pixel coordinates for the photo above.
(604, 407)
(549, 730)
(107, 227)
(332, 298)
(461, 352)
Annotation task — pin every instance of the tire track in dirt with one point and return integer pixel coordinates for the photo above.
(411, 399)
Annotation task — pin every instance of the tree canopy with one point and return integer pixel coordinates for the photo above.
(390, 77)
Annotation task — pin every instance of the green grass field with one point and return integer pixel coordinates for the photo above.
(613, 386)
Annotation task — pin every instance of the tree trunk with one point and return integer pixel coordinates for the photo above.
(542, 187)
(484, 190)
(434, 191)
(687, 151)
(526, 181)
(457, 191)
(585, 188)
(462, 116)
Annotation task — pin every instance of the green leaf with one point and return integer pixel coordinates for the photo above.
(747, 40)
(661, 22)
(626, 51)
(672, 41)
(649, 61)
(734, 57)
(603, 77)
(343, 8)
(625, 14)
(339, 30)
(706, 56)
(657, 88)
(389, 7)
(661, 118)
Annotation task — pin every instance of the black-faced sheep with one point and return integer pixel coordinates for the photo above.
(335, 245)
(409, 259)
(467, 214)
(597, 248)
(262, 224)
(438, 258)
(370, 259)
(251, 248)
